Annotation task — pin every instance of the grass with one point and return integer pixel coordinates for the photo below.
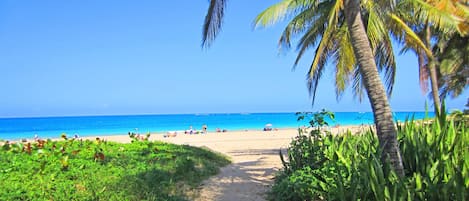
(99, 170)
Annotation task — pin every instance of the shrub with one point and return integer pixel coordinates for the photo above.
(322, 166)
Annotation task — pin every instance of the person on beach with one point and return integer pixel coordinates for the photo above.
(191, 131)
(268, 127)
(204, 128)
(170, 134)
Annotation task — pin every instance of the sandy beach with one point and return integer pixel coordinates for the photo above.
(254, 155)
(220, 137)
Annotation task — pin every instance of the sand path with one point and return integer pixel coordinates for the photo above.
(255, 160)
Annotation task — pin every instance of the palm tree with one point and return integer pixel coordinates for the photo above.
(453, 22)
(349, 50)
(355, 51)
(386, 131)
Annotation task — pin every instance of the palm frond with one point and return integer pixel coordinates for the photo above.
(314, 75)
(375, 25)
(275, 13)
(213, 21)
(410, 37)
(345, 61)
(454, 85)
(375, 29)
(454, 68)
(440, 13)
(358, 87)
(307, 19)
(323, 51)
(385, 61)
(310, 38)
(330, 29)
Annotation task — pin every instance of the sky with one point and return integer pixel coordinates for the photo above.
(109, 57)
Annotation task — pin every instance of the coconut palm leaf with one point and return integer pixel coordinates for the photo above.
(321, 26)
(358, 86)
(385, 61)
(213, 21)
(324, 50)
(308, 19)
(375, 26)
(345, 61)
(454, 68)
(316, 31)
(410, 37)
(446, 15)
(276, 13)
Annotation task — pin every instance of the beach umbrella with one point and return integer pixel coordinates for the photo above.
(268, 125)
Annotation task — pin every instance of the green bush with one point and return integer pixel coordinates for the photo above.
(322, 166)
(100, 170)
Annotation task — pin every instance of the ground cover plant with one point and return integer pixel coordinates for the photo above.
(73, 169)
(322, 166)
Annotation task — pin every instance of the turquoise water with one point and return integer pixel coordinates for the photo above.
(48, 127)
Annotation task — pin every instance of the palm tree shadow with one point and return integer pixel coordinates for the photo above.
(173, 174)
(246, 180)
(150, 185)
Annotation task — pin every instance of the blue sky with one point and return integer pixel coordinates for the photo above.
(62, 58)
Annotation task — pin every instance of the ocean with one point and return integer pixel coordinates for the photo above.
(53, 127)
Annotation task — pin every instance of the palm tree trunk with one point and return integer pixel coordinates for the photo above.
(432, 69)
(434, 84)
(385, 128)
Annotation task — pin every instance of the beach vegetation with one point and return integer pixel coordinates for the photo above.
(75, 169)
(347, 166)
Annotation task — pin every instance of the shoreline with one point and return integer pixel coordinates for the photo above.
(141, 132)
(163, 136)
(27, 128)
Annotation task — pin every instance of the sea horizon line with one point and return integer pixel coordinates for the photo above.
(168, 114)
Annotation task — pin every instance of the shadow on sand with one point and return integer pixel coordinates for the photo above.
(249, 179)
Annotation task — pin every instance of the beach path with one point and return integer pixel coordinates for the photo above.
(255, 160)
